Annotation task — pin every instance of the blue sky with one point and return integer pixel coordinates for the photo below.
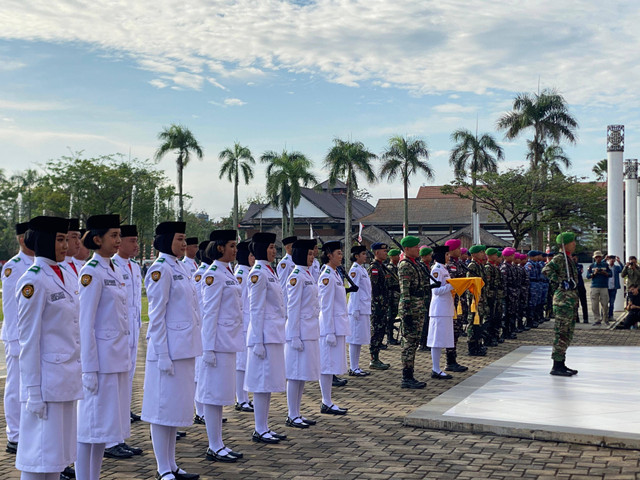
(105, 77)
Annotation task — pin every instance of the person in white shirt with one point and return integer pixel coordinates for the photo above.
(74, 239)
(83, 252)
(190, 255)
(11, 273)
(103, 413)
(265, 372)
(49, 335)
(285, 266)
(359, 308)
(441, 311)
(245, 261)
(315, 266)
(205, 263)
(302, 350)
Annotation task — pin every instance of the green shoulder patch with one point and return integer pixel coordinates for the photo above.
(296, 271)
(258, 267)
(160, 260)
(93, 263)
(34, 269)
(213, 268)
(326, 270)
(17, 259)
(240, 272)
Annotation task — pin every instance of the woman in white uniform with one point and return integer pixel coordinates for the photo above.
(359, 308)
(103, 414)
(265, 371)
(302, 350)
(245, 261)
(205, 263)
(50, 369)
(221, 339)
(174, 341)
(440, 311)
(334, 325)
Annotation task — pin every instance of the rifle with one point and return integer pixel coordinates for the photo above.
(341, 270)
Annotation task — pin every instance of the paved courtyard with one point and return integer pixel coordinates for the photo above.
(371, 442)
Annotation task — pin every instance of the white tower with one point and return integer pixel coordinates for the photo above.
(631, 208)
(615, 218)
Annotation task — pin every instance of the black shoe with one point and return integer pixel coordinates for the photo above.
(289, 422)
(134, 450)
(339, 382)
(12, 447)
(412, 383)
(393, 341)
(185, 475)
(198, 420)
(308, 421)
(493, 343)
(69, 472)
(512, 336)
(244, 407)
(440, 376)
(456, 367)
(217, 457)
(329, 410)
(161, 476)
(560, 370)
(279, 436)
(181, 434)
(134, 417)
(234, 454)
(358, 373)
(64, 477)
(117, 451)
(260, 438)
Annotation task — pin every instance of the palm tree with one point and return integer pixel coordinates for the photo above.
(600, 170)
(344, 161)
(404, 158)
(472, 155)
(237, 159)
(552, 157)
(286, 172)
(177, 137)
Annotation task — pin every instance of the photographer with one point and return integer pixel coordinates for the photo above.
(614, 282)
(599, 273)
(631, 272)
(633, 307)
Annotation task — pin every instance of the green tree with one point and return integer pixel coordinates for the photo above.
(403, 158)
(345, 160)
(600, 170)
(180, 139)
(237, 159)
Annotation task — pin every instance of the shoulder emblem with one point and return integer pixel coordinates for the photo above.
(254, 278)
(85, 280)
(239, 279)
(240, 272)
(258, 267)
(155, 276)
(293, 282)
(435, 274)
(296, 271)
(7, 272)
(283, 265)
(325, 281)
(93, 263)
(27, 291)
(213, 268)
(198, 277)
(209, 280)
(34, 269)
(353, 274)
(374, 271)
(16, 259)
(160, 260)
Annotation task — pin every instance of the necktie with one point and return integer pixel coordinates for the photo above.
(229, 270)
(129, 263)
(73, 266)
(56, 269)
(271, 269)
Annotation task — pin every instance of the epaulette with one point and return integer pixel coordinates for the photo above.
(214, 267)
(16, 259)
(239, 272)
(93, 263)
(296, 271)
(258, 267)
(34, 269)
(160, 260)
(202, 266)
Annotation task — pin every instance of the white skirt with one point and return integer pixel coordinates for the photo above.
(104, 417)
(333, 360)
(48, 446)
(241, 360)
(217, 385)
(304, 365)
(198, 367)
(360, 328)
(440, 332)
(267, 374)
(168, 399)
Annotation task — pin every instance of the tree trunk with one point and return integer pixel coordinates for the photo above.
(236, 220)
(292, 223)
(406, 205)
(347, 223)
(284, 219)
(180, 205)
(475, 225)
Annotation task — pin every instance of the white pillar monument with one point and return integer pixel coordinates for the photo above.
(630, 208)
(615, 206)
(638, 224)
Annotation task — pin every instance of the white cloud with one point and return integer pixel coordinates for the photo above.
(7, 65)
(453, 108)
(156, 82)
(31, 106)
(234, 102)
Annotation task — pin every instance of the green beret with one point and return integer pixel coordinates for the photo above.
(409, 241)
(393, 252)
(565, 237)
(499, 254)
(492, 251)
(425, 251)
(477, 248)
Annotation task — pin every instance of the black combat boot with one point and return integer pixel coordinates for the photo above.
(452, 364)
(376, 364)
(409, 382)
(560, 370)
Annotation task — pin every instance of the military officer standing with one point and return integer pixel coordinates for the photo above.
(359, 308)
(474, 332)
(426, 256)
(441, 312)
(190, 255)
(511, 283)
(394, 294)
(494, 297)
(380, 298)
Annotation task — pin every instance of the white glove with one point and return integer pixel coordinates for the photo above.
(90, 382)
(296, 344)
(259, 350)
(165, 365)
(35, 404)
(331, 340)
(209, 357)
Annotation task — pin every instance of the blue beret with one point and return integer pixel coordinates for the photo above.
(379, 246)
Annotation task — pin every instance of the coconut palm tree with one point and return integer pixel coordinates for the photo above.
(600, 170)
(180, 139)
(345, 160)
(403, 158)
(237, 159)
(553, 156)
(472, 156)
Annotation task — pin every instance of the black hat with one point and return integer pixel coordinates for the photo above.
(74, 224)
(301, 249)
(264, 237)
(21, 228)
(288, 240)
(192, 240)
(244, 246)
(171, 227)
(103, 222)
(439, 253)
(127, 231)
(203, 245)
(225, 235)
(82, 232)
(49, 224)
(330, 247)
(304, 244)
(242, 256)
(355, 250)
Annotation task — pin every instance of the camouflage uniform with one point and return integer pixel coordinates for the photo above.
(523, 299)
(565, 303)
(493, 287)
(511, 285)
(394, 298)
(474, 332)
(380, 297)
(535, 293)
(411, 309)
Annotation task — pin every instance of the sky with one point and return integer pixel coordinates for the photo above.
(107, 76)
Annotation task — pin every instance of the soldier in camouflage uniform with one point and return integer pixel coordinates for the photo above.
(565, 301)
(380, 295)
(535, 288)
(394, 294)
(411, 308)
(523, 297)
(474, 332)
(494, 297)
(456, 269)
(511, 287)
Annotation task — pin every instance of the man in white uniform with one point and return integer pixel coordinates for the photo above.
(190, 255)
(73, 237)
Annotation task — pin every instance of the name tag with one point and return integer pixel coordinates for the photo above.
(229, 282)
(308, 283)
(109, 282)
(57, 296)
(125, 276)
(178, 277)
(272, 280)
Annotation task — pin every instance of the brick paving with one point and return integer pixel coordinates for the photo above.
(371, 443)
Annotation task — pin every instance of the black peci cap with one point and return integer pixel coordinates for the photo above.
(74, 224)
(330, 247)
(225, 235)
(192, 240)
(171, 227)
(103, 222)
(49, 224)
(127, 231)
(21, 228)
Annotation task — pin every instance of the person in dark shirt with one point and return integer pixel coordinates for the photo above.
(633, 307)
(582, 291)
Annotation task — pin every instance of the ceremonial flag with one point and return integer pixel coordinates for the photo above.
(360, 233)
(310, 231)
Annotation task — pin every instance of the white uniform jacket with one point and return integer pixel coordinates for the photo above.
(197, 281)
(191, 265)
(49, 332)
(11, 273)
(284, 269)
(315, 269)
(174, 313)
(441, 300)
(303, 307)
(132, 277)
(222, 310)
(333, 303)
(242, 275)
(266, 306)
(72, 263)
(104, 317)
(360, 301)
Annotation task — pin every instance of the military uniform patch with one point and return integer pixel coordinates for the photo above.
(7, 272)
(208, 280)
(254, 278)
(239, 280)
(93, 263)
(198, 277)
(293, 282)
(325, 281)
(353, 274)
(155, 276)
(435, 274)
(85, 280)
(283, 265)
(27, 291)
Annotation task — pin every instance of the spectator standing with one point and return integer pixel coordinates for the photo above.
(599, 273)
(582, 290)
(631, 272)
(614, 281)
